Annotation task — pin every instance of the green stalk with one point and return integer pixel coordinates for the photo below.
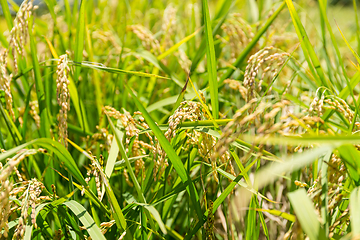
(211, 62)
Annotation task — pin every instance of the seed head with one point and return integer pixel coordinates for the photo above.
(147, 38)
(63, 96)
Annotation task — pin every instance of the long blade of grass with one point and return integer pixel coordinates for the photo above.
(85, 218)
(12, 129)
(80, 38)
(278, 213)
(45, 124)
(305, 140)
(322, 7)
(357, 25)
(115, 70)
(152, 59)
(220, 19)
(351, 157)
(96, 77)
(113, 154)
(211, 61)
(309, 52)
(355, 212)
(349, 46)
(305, 213)
(177, 45)
(324, 194)
(6, 11)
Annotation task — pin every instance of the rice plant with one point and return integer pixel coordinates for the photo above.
(179, 120)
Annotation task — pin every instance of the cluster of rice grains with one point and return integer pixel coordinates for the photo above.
(279, 117)
(132, 126)
(96, 169)
(336, 170)
(5, 81)
(265, 62)
(25, 192)
(336, 174)
(271, 115)
(203, 142)
(17, 42)
(239, 33)
(147, 38)
(169, 25)
(159, 45)
(188, 111)
(63, 96)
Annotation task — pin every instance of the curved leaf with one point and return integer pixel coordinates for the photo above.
(85, 218)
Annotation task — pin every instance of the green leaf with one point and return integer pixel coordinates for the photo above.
(309, 52)
(278, 213)
(58, 149)
(351, 157)
(355, 212)
(305, 139)
(324, 192)
(113, 154)
(10, 125)
(115, 70)
(251, 227)
(152, 59)
(79, 39)
(40, 93)
(219, 19)
(305, 213)
(78, 105)
(177, 45)
(325, 21)
(211, 61)
(85, 218)
(6, 11)
(156, 216)
(349, 46)
(168, 101)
